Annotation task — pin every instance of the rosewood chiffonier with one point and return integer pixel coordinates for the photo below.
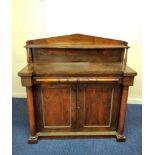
(77, 86)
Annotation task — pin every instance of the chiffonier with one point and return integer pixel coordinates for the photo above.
(77, 86)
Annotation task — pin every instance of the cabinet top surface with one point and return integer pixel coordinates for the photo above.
(76, 41)
(76, 68)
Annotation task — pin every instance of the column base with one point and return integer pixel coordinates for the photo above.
(120, 138)
(33, 140)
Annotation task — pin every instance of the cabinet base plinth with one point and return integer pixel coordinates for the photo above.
(120, 138)
(76, 134)
(33, 140)
(57, 135)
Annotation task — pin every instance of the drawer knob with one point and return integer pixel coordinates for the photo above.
(78, 108)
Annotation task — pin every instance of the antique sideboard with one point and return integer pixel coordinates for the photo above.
(77, 86)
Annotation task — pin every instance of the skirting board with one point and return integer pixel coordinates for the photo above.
(130, 100)
(134, 101)
(18, 95)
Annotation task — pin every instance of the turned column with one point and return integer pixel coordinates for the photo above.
(122, 115)
(123, 109)
(30, 104)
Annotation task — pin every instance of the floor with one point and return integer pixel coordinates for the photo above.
(133, 132)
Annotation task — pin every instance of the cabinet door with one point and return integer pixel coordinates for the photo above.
(98, 106)
(55, 104)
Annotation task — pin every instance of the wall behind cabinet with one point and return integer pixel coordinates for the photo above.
(44, 18)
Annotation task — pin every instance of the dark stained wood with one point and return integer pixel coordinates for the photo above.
(123, 110)
(29, 55)
(77, 46)
(38, 107)
(129, 71)
(128, 81)
(99, 104)
(26, 81)
(76, 39)
(76, 69)
(32, 124)
(76, 79)
(41, 55)
(26, 71)
(125, 56)
(77, 85)
(56, 102)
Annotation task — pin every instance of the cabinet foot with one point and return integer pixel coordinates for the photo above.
(120, 138)
(33, 140)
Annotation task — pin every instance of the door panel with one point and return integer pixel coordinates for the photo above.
(99, 103)
(97, 106)
(56, 106)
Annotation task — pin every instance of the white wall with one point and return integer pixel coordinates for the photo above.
(27, 24)
(45, 18)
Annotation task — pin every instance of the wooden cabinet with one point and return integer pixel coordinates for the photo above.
(77, 85)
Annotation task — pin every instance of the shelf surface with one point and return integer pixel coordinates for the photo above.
(76, 68)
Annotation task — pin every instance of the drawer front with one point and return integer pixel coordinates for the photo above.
(45, 80)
